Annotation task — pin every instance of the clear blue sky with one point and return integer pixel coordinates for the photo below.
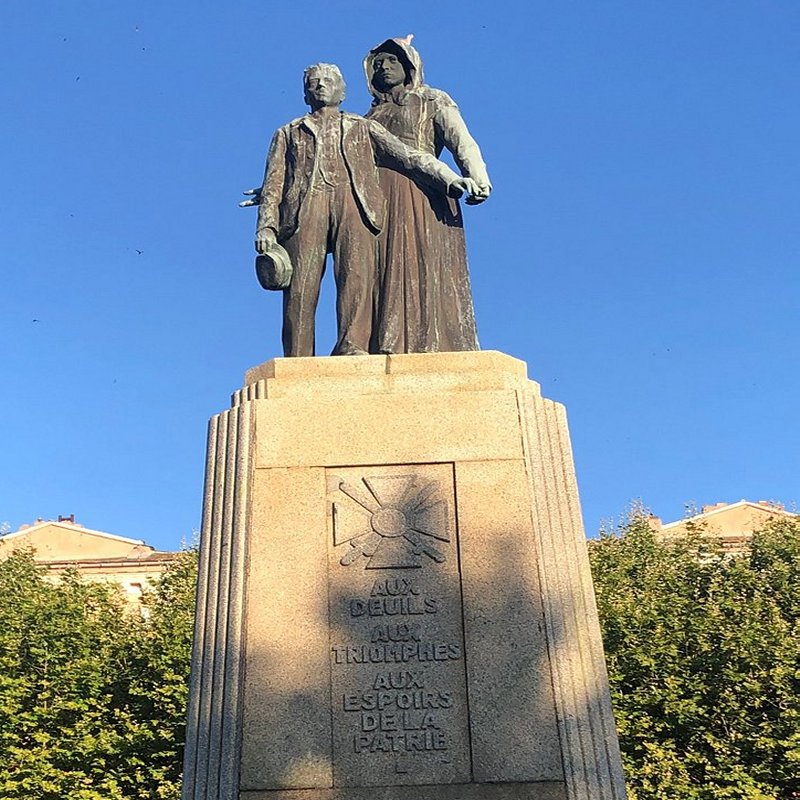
(640, 250)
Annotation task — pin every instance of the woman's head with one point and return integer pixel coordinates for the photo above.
(393, 63)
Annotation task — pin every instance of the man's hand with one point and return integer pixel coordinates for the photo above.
(265, 240)
(254, 198)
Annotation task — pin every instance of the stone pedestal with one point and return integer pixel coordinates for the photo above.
(394, 597)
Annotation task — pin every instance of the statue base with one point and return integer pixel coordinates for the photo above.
(394, 595)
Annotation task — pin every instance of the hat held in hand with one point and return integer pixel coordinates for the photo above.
(274, 268)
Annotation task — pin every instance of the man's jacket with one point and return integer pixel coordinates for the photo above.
(291, 166)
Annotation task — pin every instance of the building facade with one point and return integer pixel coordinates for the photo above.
(62, 544)
(732, 524)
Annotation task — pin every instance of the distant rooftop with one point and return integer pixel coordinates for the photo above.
(69, 522)
(733, 524)
(762, 507)
(62, 544)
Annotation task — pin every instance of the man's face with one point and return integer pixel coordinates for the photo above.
(387, 71)
(323, 88)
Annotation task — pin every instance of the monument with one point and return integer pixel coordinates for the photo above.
(321, 195)
(394, 597)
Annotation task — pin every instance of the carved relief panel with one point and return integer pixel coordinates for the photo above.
(399, 698)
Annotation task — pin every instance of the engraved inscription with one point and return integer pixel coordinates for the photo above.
(396, 653)
(390, 520)
(397, 664)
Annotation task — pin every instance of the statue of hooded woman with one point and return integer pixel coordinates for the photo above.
(424, 295)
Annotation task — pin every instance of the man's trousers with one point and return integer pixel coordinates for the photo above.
(330, 222)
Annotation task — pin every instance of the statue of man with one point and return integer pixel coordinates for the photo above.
(321, 194)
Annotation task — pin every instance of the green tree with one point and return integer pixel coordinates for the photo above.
(92, 696)
(704, 662)
(158, 685)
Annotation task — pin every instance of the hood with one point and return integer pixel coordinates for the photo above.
(406, 53)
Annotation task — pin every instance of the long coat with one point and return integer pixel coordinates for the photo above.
(425, 299)
(291, 164)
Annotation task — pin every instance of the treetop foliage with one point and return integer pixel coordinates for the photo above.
(703, 653)
(92, 695)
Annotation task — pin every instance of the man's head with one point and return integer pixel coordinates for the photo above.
(323, 85)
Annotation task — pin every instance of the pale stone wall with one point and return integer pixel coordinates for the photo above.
(134, 579)
(97, 555)
(57, 541)
(732, 524)
(446, 480)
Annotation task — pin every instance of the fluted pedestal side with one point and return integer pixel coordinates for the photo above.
(394, 599)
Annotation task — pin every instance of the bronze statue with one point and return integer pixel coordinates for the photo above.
(425, 300)
(320, 195)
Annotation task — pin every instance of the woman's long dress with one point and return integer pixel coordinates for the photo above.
(424, 298)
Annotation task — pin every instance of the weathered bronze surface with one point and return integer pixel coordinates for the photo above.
(425, 300)
(321, 194)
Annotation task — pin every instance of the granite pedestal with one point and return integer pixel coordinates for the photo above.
(394, 597)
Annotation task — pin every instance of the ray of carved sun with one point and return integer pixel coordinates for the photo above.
(392, 521)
